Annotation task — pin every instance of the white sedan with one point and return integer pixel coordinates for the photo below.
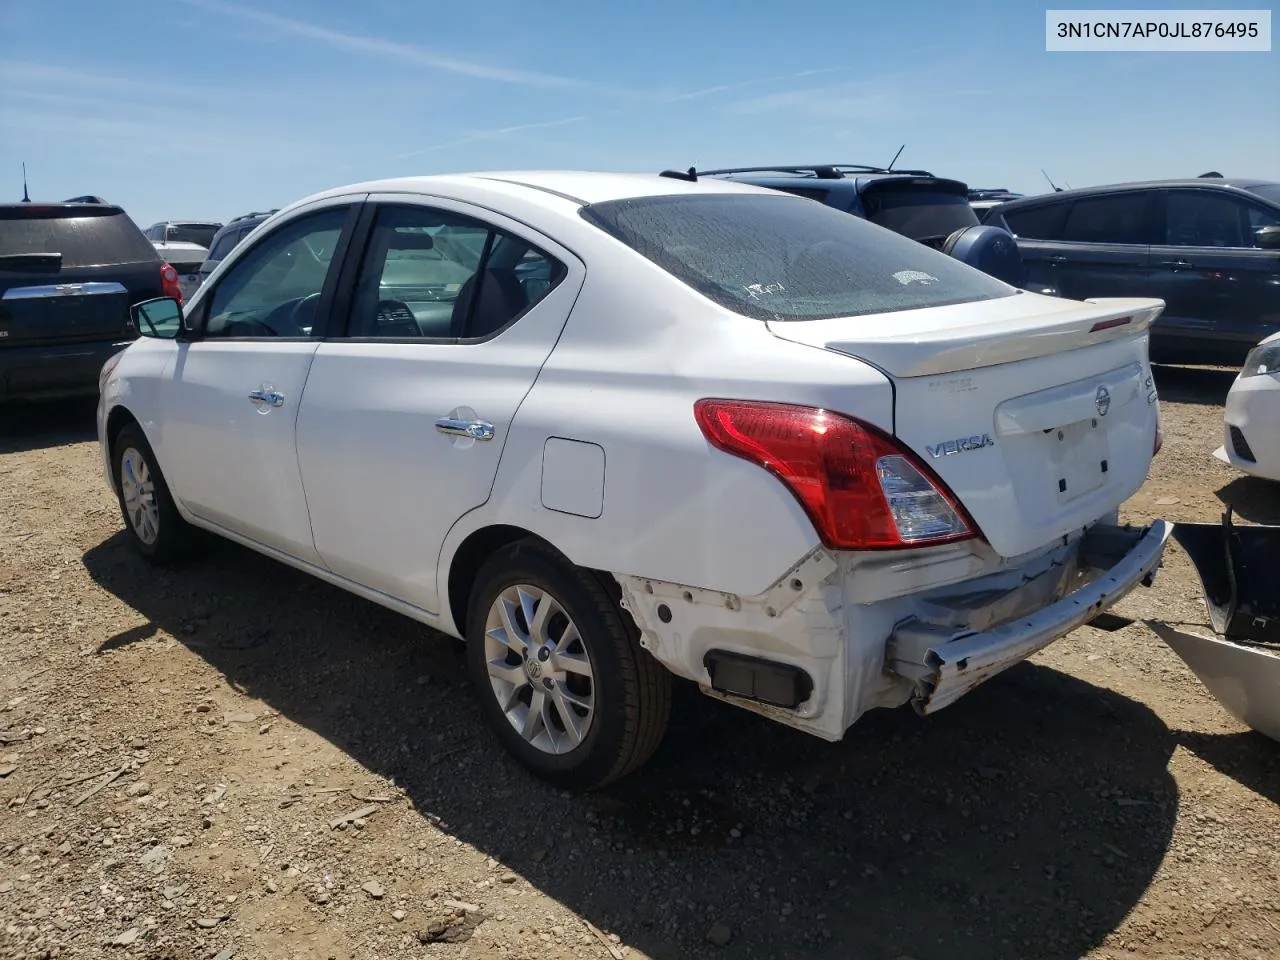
(612, 428)
(1252, 427)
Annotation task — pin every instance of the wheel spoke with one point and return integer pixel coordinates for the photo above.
(568, 637)
(501, 670)
(510, 632)
(573, 723)
(528, 607)
(538, 622)
(534, 718)
(573, 663)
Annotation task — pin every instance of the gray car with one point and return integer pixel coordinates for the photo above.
(1209, 247)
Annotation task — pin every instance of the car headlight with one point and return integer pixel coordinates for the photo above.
(1262, 359)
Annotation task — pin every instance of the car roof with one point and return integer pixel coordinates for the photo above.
(1231, 183)
(68, 209)
(549, 187)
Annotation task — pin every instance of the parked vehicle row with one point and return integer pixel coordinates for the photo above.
(1208, 247)
(675, 427)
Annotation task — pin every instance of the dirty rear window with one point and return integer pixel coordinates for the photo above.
(776, 257)
(84, 236)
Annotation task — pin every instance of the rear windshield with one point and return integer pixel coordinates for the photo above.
(776, 257)
(920, 211)
(85, 237)
(201, 233)
(1268, 191)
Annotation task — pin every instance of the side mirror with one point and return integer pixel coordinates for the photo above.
(1268, 238)
(160, 318)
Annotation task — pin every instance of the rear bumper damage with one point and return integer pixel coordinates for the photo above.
(945, 663)
(840, 634)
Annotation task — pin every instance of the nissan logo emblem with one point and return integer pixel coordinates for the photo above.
(1102, 400)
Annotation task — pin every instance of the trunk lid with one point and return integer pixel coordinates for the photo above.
(1039, 414)
(88, 303)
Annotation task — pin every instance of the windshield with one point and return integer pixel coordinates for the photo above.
(1268, 191)
(778, 257)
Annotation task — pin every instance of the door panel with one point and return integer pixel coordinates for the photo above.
(1104, 249)
(231, 457)
(387, 463)
(1222, 294)
(231, 398)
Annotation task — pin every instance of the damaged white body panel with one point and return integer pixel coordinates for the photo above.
(839, 621)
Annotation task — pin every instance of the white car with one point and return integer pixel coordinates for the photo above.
(690, 428)
(185, 258)
(1252, 415)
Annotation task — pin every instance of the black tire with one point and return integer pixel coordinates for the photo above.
(632, 691)
(174, 537)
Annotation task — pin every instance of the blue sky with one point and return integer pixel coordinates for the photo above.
(207, 109)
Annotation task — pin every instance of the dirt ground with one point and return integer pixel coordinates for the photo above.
(1094, 802)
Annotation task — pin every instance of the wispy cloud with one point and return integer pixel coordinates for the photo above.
(499, 133)
(742, 85)
(359, 43)
(21, 76)
(847, 101)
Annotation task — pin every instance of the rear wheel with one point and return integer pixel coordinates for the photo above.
(155, 528)
(561, 675)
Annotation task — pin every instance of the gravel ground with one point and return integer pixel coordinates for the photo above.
(268, 767)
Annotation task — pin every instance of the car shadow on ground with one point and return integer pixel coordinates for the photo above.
(1248, 758)
(54, 423)
(1204, 385)
(1253, 499)
(1024, 822)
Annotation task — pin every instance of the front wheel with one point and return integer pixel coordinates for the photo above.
(155, 527)
(561, 675)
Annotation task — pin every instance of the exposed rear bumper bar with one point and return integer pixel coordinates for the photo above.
(946, 663)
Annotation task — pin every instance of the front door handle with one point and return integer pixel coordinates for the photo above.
(266, 396)
(1057, 259)
(475, 429)
(1177, 264)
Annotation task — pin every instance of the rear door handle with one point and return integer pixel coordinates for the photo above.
(266, 396)
(475, 429)
(1177, 264)
(1057, 259)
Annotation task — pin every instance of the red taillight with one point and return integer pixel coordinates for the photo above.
(169, 285)
(862, 489)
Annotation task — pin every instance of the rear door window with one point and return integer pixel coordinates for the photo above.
(85, 236)
(776, 257)
(1110, 218)
(1043, 222)
(1204, 218)
(224, 245)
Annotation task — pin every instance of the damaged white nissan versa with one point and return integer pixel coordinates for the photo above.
(609, 428)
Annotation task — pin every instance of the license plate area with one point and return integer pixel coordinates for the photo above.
(1078, 458)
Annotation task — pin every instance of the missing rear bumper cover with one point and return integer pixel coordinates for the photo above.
(947, 661)
(765, 681)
